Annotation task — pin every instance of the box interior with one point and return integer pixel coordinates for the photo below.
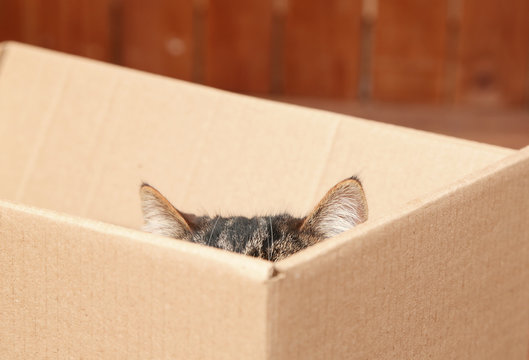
(79, 137)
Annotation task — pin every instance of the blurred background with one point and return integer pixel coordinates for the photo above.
(458, 67)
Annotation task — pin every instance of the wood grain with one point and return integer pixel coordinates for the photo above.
(10, 20)
(156, 36)
(493, 59)
(409, 51)
(80, 27)
(473, 52)
(321, 51)
(237, 45)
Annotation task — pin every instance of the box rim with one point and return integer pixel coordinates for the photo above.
(264, 270)
(496, 149)
(254, 269)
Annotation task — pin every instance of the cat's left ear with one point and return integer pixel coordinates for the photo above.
(342, 208)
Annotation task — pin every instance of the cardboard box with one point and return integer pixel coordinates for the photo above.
(440, 270)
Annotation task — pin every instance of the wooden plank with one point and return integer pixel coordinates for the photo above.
(321, 51)
(10, 20)
(237, 45)
(157, 36)
(493, 57)
(80, 27)
(409, 51)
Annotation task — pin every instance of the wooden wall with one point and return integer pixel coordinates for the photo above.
(413, 51)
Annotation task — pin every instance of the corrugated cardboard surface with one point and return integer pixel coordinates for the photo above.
(73, 288)
(439, 271)
(446, 280)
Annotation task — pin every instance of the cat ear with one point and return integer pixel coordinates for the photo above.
(342, 208)
(160, 217)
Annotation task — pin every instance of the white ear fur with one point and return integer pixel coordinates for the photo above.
(160, 217)
(342, 208)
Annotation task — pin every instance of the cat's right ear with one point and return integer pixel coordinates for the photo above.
(342, 208)
(160, 217)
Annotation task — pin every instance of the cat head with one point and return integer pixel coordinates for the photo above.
(268, 237)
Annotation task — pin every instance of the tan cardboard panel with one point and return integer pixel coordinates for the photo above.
(446, 279)
(72, 288)
(434, 274)
(79, 136)
(397, 166)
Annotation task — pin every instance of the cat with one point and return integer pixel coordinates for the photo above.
(268, 237)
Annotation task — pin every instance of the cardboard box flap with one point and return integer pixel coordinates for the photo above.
(92, 132)
(256, 269)
(446, 278)
(80, 288)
